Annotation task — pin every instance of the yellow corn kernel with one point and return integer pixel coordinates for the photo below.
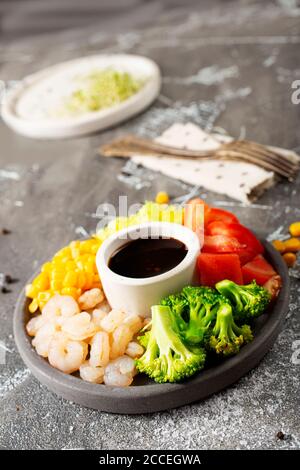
(70, 279)
(47, 267)
(79, 263)
(290, 259)
(72, 291)
(85, 246)
(279, 245)
(95, 248)
(89, 280)
(33, 306)
(31, 291)
(44, 296)
(96, 285)
(57, 275)
(70, 265)
(292, 244)
(295, 229)
(162, 197)
(89, 267)
(96, 278)
(41, 282)
(64, 252)
(56, 284)
(75, 248)
(81, 280)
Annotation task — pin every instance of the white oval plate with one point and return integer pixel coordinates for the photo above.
(25, 107)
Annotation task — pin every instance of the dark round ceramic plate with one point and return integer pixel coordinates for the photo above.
(145, 396)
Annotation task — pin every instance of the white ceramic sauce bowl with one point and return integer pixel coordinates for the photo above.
(137, 295)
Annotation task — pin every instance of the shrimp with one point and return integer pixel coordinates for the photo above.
(91, 374)
(97, 316)
(134, 322)
(91, 298)
(99, 353)
(43, 338)
(114, 319)
(65, 354)
(119, 373)
(104, 306)
(120, 339)
(35, 324)
(79, 327)
(134, 350)
(63, 305)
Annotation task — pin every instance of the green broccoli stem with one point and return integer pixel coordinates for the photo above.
(227, 336)
(167, 334)
(229, 290)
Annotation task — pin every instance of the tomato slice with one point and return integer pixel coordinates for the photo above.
(259, 270)
(213, 214)
(239, 232)
(224, 244)
(216, 267)
(221, 244)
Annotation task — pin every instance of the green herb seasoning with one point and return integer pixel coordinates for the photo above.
(102, 89)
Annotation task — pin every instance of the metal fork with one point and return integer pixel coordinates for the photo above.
(240, 150)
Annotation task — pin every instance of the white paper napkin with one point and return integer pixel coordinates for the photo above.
(238, 180)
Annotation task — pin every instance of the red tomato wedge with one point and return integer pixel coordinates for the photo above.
(221, 244)
(213, 214)
(216, 267)
(250, 245)
(239, 232)
(259, 270)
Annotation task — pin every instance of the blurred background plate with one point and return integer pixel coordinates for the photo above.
(26, 107)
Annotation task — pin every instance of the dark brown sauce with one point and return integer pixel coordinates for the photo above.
(147, 257)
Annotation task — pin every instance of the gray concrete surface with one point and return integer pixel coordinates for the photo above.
(50, 188)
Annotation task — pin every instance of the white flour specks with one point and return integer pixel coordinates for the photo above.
(9, 175)
(13, 382)
(229, 95)
(287, 76)
(208, 76)
(269, 61)
(128, 40)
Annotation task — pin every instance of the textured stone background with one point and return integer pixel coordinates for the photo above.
(228, 64)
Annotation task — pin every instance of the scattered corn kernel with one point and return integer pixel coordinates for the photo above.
(292, 244)
(162, 197)
(295, 229)
(279, 245)
(290, 259)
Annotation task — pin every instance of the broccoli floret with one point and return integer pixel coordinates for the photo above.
(144, 339)
(179, 307)
(248, 301)
(227, 337)
(166, 358)
(203, 306)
